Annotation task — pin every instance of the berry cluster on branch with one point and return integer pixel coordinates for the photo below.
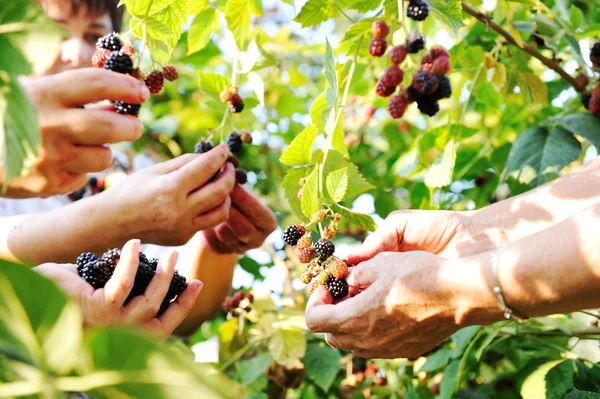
(238, 303)
(235, 142)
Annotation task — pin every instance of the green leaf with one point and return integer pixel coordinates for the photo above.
(577, 394)
(583, 124)
(337, 184)
(213, 84)
(173, 17)
(160, 51)
(252, 368)
(287, 345)
(440, 173)
(576, 17)
(365, 5)
(197, 6)
(238, 15)
(202, 27)
(390, 8)
(534, 386)
(437, 361)
(533, 88)
(315, 12)
(265, 60)
(362, 27)
(462, 339)
(300, 150)
(559, 379)
(329, 67)
(449, 383)
(317, 109)
(143, 8)
(251, 266)
(538, 154)
(311, 202)
(448, 13)
(357, 183)
(322, 364)
(410, 392)
(291, 187)
(356, 219)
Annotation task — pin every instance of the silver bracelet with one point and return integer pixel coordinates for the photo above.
(509, 314)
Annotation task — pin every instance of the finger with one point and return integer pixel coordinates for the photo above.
(320, 312)
(90, 159)
(95, 127)
(145, 307)
(250, 206)
(364, 274)
(243, 229)
(228, 238)
(384, 239)
(120, 284)
(179, 309)
(91, 85)
(214, 193)
(214, 217)
(199, 171)
(173, 164)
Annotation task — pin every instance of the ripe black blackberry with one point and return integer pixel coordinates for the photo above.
(338, 288)
(236, 103)
(428, 106)
(413, 95)
(425, 82)
(293, 233)
(112, 256)
(377, 47)
(96, 273)
(163, 307)
(241, 176)
(124, 108)
(203, 146)
(234, 142)
(84, 259)
(324, 248)
(110, 42)
(444, 89)
(178, 284)
(384, 90)
(119, 62)
(415, 42)
(417, 10)
(143, 276)
(595, 54)
(585, 101)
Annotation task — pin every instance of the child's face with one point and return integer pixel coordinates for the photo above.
(77, 49)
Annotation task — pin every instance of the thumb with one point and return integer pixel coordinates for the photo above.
(385, 239)
(364, 274)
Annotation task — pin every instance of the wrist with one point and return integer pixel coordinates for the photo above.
(485, 228)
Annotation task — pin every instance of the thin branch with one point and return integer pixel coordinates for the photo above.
(550, 63)
(343, 13)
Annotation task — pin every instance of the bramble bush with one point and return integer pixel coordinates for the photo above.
(316, 87)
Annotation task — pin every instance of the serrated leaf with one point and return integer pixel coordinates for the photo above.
(213, 84)
(315, 12)
(238, 14)
(287, 345)
(534, 386)
(559, 379)
(390, 8)
(173, 17)
(265, 59)
(356, 219)
(449, 13)
(440, 173)
(300, 149)
(362, 27)
(577, 394)
(291, 188)
(322, 364)
(253, 368)
(160, 51)
(142, 8)
(337, 184)
(310, 194)
(202, 28)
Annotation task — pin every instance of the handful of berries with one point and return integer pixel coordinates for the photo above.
(98, 270)
(113, 55)
(322, 266)
(235, 142)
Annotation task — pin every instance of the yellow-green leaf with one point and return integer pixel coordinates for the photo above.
(311, 201)
(202, 27)
(287, 346)
(300, 151)
(238, 15)
(440, 173)
(337, 184)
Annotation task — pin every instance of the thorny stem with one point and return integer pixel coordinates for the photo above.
(550, 63)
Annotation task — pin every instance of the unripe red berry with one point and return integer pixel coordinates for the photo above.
(136, 73)
(127, 49)
(427, 59)
(307, 255)
(438, 51)
(380, 29)
(441, 65)
(595, 107)
(99, 57)
(393, 76)
(170, 73)
(424, 82)
(246, 137)
(397, 106)
(383, 90)
(398, 54)
(155, 81)
(377, 47)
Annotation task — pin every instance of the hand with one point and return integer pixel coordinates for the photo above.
(74, 139)
(249, 224)
(167, 203)
(445, 233)
(410, 303)
(105, 306)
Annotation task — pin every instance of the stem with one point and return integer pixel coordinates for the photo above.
(237, 356)
(343, 13)
(590, 314)
(143, 46)
(550, 63)
(401, 17)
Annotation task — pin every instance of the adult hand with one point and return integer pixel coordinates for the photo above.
(445, 233)
(167, 203)
(105, 306)
(409, 304)
(249, 224)
(74, 139)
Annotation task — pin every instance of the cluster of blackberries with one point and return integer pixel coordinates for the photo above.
(238, 303)
(417, 10)
(94, 186)
(98, 270)
(591, 99)
(235, 142)
(230, 96)
(113, 55)
(322, 266)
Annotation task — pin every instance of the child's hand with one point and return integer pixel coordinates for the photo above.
(104, 306)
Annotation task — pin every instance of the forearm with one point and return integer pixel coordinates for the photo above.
(197, 260)
(556, 270)
(528, 213)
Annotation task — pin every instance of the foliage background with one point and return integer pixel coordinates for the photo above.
(513, 123)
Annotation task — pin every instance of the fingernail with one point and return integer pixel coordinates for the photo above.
(199, 287)
(144, 92)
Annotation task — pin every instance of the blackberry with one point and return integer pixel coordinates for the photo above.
(398, 54)
(84, 259)
(380, 29)
(415, 42)
(595, 54)
(112, 257)
(234, 142)
(241, 176)
(397, 106)
(96, 273)
(236, 103)
(293, 233)
(305, 242)
(119, 62)
(170, 73)
(338, 268)
(110, 42)
(377, 47)
(428, 106)
(232, 159)
(384, 91)
(124, 108)
(319, 216)
(585, 101)
(153, 263)
(438, 51)
(203, 146)
(338, 288)
(330, 231)
(143, 276)
(444, 89)
(425, 82)
(99, 57)
(163, 307)
(324, 248)
(594, 107)
(77, 194)
(155, 81)
(412, 95)
(417, 10)
(393, 76)
(144, 258)
(178, 284)
(136, 73)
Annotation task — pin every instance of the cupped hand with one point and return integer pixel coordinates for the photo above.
(74, 139)
(105, 306)
(249, 224)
